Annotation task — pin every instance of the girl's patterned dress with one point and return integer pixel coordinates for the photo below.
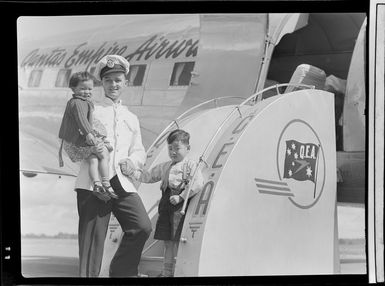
(78, 153)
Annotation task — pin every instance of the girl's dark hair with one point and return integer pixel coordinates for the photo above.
(78, 77)
(179, 135)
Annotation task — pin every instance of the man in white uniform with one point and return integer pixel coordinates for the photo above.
(123, 133)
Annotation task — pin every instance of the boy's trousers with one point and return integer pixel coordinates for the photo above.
(94, 216)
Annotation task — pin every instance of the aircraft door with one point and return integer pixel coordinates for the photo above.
(229, 57)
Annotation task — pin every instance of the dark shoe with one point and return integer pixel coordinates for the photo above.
(163, 275)
(98, 188)
(100, 193)
(110, 192)
(139, 275)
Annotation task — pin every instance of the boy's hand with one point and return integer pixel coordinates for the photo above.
(190, 167)
(127, 167)
(90, 139)
(175, 199)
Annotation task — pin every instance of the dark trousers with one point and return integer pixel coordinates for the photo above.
(94, 216)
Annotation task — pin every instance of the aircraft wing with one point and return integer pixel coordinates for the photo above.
(39, 154)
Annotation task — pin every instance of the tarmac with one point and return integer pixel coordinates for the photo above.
(351, 231)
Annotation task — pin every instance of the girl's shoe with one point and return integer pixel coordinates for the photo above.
(100, 193)
(98, 188)
(108, 189)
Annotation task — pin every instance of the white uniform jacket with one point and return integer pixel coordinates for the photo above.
(123, 132)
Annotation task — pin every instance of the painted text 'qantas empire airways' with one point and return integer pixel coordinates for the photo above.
(156, 46)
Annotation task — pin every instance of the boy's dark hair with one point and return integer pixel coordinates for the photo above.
(179, 135)
(78, 77)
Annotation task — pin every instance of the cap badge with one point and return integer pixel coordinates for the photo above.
(110, 63)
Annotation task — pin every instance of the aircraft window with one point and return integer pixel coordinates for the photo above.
(181, 74)
(136, 75)
(34, 78)
(63, 78)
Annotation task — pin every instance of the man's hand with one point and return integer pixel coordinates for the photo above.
(174, 200)
(127, 167)
(98, 148)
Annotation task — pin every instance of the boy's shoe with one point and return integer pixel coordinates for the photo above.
(110, 192)
(141, 275)
(163, 274)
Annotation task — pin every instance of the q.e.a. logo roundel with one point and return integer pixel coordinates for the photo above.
(301, 163)
(300, 166)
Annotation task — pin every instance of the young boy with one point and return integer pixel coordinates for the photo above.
(175, 176)
(79, 132)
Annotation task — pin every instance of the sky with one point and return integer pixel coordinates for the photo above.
(48, 205)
